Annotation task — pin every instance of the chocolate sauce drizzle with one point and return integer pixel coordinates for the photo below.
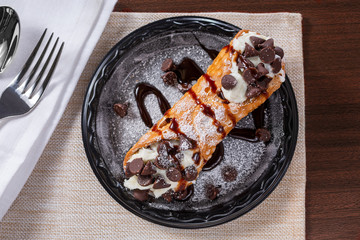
(208, 112)
(144, 89)
(141, 91)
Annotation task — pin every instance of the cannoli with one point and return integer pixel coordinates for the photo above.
(170, 156)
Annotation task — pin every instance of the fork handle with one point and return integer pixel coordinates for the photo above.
(3, 111)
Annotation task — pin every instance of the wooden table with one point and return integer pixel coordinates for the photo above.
(331, 38)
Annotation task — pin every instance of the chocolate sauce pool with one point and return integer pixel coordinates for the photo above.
(188, 71)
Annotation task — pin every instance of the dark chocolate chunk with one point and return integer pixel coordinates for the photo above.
(141, 195)
(168, 65)
(263, 134)
(120, 109)
(249, 51)
(211, 191)
(145, 180)
(262, 71)
(229, 173)
(160, 183)
(169, 78)
(136, 165)
(244, 63)
(256, 41)
(186, 143)
(267, 55)
(252, 91)
(190, 173)
(148, 169)
(173, 174)
(262, 83)
(228, 82)
(268, 43)
(184, 87)
(279, 51)
(250, 75)
(168, 195)
(276, 65)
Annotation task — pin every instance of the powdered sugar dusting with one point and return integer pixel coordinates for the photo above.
(115, 135)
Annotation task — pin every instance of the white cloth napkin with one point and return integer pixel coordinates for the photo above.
(79, 24)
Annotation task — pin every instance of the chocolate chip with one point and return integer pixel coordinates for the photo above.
(128, 174)
(141, 195)
(196, 158)
(211, 191)
(168, 65)
(276, 65)
(256, 41)
(263, 134)
(184, 87)
(168, 155)
(173, 174)
(250, 75)
(267, 55)
(164, 147)
(228, 82)
(136, 165)
(252, 91)
(160, 183)
(262, 83)
(148, 169)
(163, 160)
(169, 78)
(229, 173)
(268, 43)
(244, 62)
(186, 143)
(145, 180)
(181, 195)
(262, 71)
(249, 51)
(190, 173)
(120, 109)
(161, 163)
(279, 51)
(168, 195)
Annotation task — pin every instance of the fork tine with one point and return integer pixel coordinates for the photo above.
(2, 15)
(33, 71)
(42, 87)
(34, 87)
(29, 60)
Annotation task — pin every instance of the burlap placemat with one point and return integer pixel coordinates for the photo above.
(63, 199)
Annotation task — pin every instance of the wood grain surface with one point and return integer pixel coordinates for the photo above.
(331, 38)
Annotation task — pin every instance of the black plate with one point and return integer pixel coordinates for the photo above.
(137, 58)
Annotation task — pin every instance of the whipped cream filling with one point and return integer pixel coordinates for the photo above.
(238, 93)
(150, 154)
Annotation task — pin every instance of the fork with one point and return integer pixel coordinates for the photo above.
(25, 91)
